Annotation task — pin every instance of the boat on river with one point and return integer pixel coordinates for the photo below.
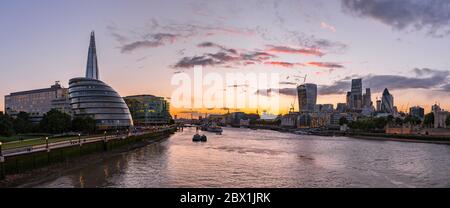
(212, 127)
(198, 138)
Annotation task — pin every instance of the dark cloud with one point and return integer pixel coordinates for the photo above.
(445, 88)
(290, 50)
(332, 46)
(432, 15)
(151, 41)
(214, 45)
(288, 83)
(425, 79)
(326, 65)
(338, 87)
(156, 34)
(224, 58)
(281, 91)
(189, 62)
(257, 56)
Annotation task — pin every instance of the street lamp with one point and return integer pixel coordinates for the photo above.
(104, 135)
(46, 143)
(1, 154)
(79, 139)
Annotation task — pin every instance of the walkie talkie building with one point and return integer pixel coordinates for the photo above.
(91, 97)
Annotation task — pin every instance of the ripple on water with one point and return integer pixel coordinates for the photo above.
(248, 158)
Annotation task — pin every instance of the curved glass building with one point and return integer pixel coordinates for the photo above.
(92, 97)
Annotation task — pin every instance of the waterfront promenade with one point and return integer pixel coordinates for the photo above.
(21, 159)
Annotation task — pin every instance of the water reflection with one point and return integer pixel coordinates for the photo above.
(248, 158)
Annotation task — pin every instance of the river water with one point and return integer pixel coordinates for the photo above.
(262, 158)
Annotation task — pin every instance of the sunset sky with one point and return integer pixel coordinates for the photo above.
(402, 45)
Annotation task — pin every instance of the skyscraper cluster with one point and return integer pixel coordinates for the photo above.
(356, 100)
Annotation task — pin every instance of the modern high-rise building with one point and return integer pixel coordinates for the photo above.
(37, 102)
(417, 111)
(367, 99)
(91, 97)
(307, 97)
(355, 96)
(387, 102)
(341, 107)
(92, 64)
(378, 108)
(148, 109)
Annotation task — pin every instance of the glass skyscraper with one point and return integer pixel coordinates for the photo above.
(387, 102)
(307, 97)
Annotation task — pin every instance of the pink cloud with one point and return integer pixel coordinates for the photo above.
(327, 26)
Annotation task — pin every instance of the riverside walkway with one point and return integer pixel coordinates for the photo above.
(77, 142)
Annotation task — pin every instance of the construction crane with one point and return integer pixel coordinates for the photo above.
(304, 78)
(292, 109)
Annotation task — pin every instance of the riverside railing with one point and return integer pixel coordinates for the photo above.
(18, 160)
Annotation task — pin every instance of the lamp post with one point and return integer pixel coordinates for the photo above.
(46, 143)
(105, 142)
(2, 160)
(1, 154)
(79, 139)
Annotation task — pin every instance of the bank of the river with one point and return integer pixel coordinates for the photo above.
(16, 167)
(42, 174)
(365, 135)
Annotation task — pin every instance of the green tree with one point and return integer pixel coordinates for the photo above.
(6, 126)
(83, 124)
(398, 121)
(429, 120)
(55, 122)
(343, 121)
(390, 118)
(413, 120)
(380, 123)
(22, 123)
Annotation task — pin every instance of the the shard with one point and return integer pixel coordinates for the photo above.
(92, 65)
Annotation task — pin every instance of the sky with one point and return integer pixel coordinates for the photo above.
(402, 45)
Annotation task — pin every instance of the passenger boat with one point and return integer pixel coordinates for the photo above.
(198, 138)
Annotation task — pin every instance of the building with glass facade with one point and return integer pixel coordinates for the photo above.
(387, 102)
(94, 98)
(307, 97)
(417, 111)
(148, 109)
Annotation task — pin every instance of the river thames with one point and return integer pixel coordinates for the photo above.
(262, 158)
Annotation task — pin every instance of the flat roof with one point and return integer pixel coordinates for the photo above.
(50, 89)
